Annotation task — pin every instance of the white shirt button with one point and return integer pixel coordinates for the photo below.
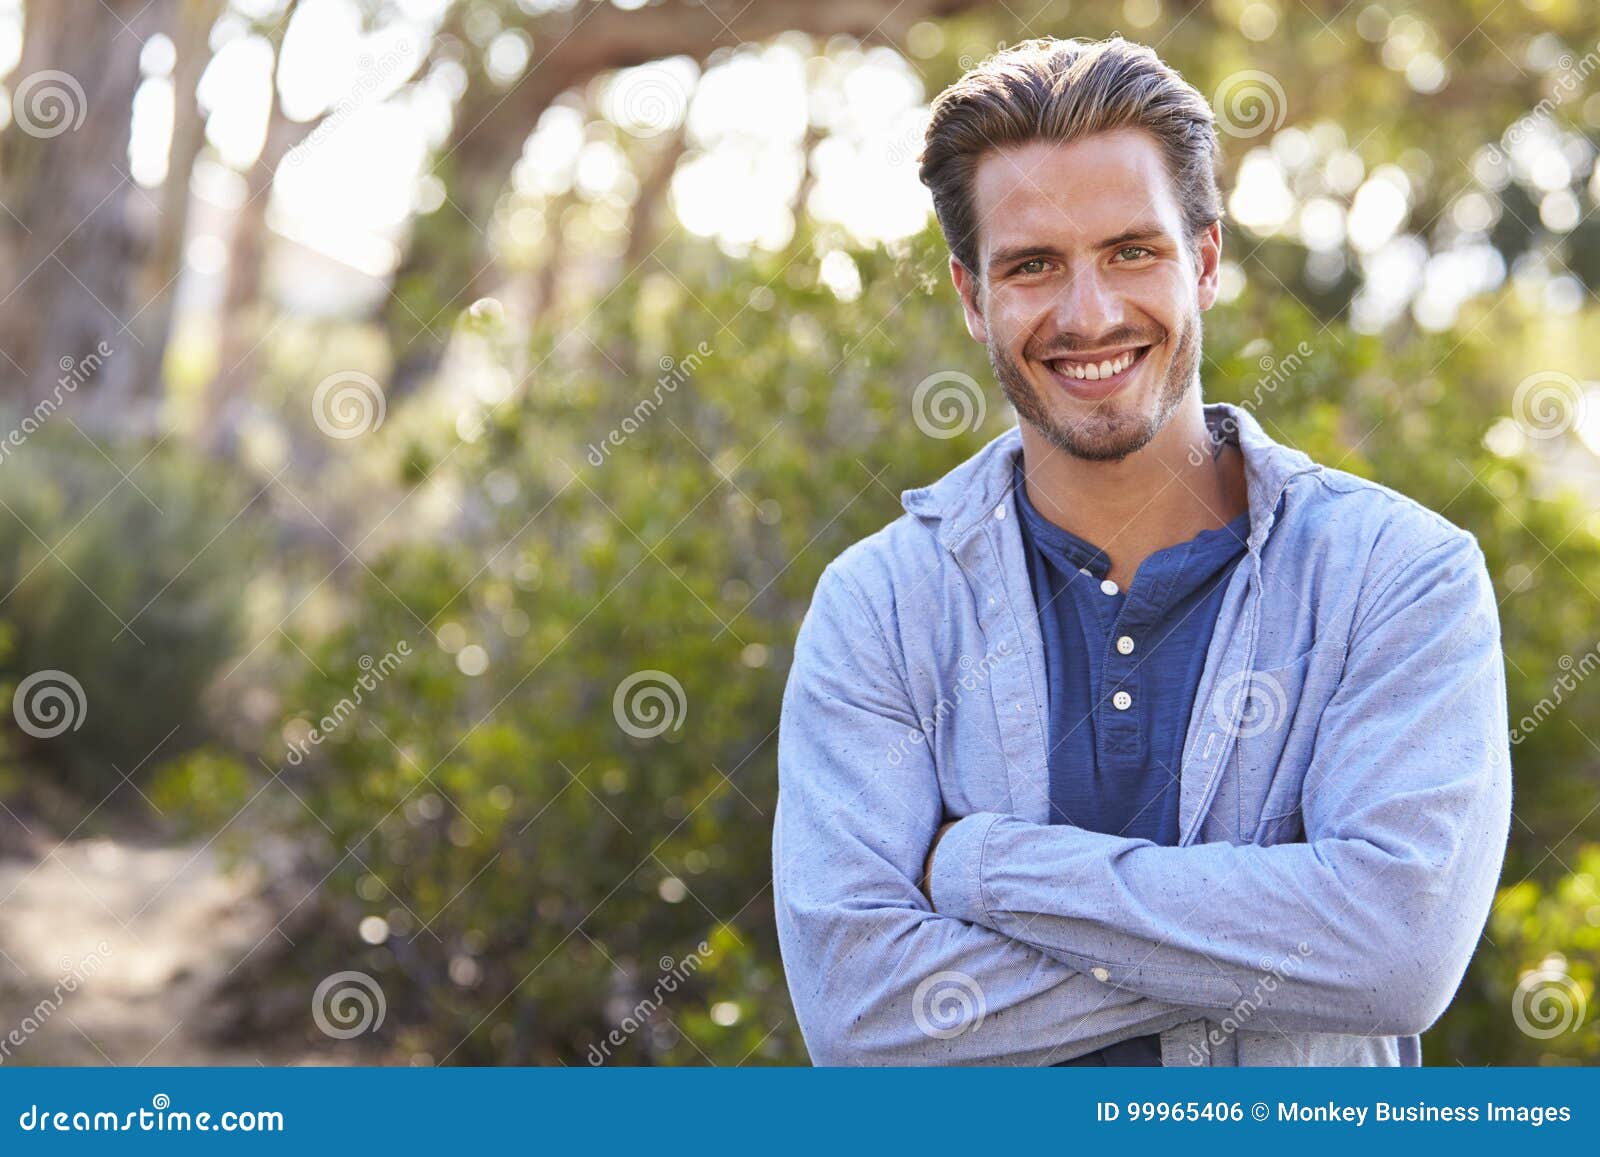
(1122, 700)
(1102, 975)
(1125, 645)
(1108, 586)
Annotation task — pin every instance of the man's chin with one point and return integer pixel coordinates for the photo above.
(1104, 433)
(1112, 448)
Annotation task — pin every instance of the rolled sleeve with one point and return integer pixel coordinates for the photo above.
(956, 883)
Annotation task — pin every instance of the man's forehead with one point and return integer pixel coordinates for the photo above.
(1080, 192)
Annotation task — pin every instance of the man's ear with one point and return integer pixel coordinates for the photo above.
(967, 286)
(1208, 258)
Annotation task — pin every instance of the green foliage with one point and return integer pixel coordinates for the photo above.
(536, 864)
(508, 811)
(1541, 960)
(682, 456)
(1414, 416)
(202, 790)
(116, 572)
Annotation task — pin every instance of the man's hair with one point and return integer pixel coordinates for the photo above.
(1064, 90)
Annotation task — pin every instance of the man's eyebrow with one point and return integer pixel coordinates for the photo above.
(1013, 253)
(1143, 231)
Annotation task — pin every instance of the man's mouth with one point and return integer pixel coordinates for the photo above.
(1097, 374)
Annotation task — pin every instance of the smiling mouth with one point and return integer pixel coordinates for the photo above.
(1097, 378)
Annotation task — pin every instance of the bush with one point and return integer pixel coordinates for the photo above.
(532, 860)
(120, 569)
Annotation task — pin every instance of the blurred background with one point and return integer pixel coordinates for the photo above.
(423, 424)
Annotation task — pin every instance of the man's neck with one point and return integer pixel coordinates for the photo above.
(1180, 483)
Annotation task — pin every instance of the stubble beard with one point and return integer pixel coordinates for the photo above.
(1107, 433)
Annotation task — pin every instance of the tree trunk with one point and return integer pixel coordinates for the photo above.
(158, 284)
(242, 313)
(643, 231)
(242, 322)
(71, 251)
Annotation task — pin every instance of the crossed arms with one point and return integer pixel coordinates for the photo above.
(1076, 939)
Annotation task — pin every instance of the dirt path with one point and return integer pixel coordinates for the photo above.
(112, 953)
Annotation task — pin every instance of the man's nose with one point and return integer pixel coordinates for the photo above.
(1087, 305)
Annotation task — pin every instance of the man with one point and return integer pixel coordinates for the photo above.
(1140, 738)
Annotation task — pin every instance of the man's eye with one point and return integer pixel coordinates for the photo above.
(1032, 265)
(1140, 251)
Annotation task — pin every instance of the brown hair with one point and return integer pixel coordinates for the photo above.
(1063, 90)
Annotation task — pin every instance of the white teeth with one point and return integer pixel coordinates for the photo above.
(1094, 373)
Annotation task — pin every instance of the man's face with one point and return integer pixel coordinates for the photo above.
(1084, 261)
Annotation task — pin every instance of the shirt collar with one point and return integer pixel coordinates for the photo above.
(973, 491)
(1063, 547)
(1205, 551)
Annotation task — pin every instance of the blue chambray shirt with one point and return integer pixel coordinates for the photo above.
(1343, 801)
(1122, 667)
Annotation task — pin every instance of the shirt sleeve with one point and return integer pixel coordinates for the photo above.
(1368, 925)
(876, 976)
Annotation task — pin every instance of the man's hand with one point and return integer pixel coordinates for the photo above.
(927, 865)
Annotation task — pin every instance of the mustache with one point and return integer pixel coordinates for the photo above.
(1058, 348)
